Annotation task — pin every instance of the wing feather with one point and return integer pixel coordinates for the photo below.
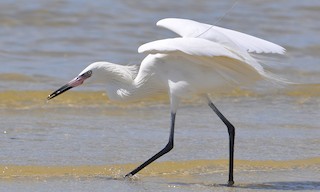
(228, 37)
(208, 53)
(190, 46)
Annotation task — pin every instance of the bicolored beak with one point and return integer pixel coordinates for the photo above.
(73, 83)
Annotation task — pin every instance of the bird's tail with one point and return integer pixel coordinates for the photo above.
(264, 61)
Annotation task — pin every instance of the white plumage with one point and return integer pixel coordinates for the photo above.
(205, 59)
(228, 37)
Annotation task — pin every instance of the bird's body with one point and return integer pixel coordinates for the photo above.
(184, 74)
(205, 59)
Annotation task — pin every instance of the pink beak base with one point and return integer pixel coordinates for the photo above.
(73, 83)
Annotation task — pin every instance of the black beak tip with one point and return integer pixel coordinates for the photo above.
(59, 91)
(50, 96)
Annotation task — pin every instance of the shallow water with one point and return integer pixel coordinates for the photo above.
(81, 141)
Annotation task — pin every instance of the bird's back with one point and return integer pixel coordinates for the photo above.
(189, 75)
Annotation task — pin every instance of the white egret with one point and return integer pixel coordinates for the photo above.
(206, 58)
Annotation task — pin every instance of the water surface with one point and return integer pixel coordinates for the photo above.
(81, 141)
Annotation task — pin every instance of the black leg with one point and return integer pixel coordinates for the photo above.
(231, 132)
(165, 150)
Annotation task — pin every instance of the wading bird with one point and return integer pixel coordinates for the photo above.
(204, 59)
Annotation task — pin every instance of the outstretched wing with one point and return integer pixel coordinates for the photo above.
(230, 38)
(190, 46)
(227, 62)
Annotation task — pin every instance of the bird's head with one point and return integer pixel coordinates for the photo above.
(91, 72)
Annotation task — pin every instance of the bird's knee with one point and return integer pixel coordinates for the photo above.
(231, 129)
(169, 146)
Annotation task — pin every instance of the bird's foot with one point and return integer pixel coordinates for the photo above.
(130, 177)
(230, 183)
(127, 176)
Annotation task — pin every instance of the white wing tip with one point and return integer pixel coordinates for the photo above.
(141, 49)
(164, 22)
(164, 19)
(147, 48)
(281, 51)
(272, 48)
(160, 21)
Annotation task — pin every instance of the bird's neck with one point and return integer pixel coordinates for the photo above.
(126, 91)
(121, 88)
(120, 91)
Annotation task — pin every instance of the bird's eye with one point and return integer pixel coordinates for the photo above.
(87, 74)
